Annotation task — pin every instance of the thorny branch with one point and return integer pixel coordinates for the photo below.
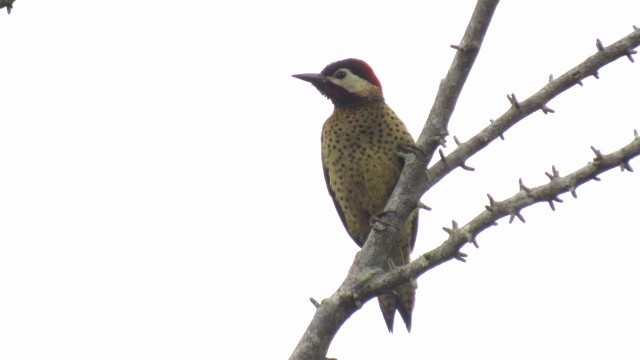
(366, 279)
(537, 101)
(512, 207)
(335, 310)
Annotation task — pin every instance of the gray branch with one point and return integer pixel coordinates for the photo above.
(334, 311)
(512, 207)
(519, 110)
(366, 279)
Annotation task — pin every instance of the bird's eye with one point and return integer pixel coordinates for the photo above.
(341, 74)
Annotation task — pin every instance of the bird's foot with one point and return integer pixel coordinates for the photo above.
(376, 220)
(411, 148)
(392, 265)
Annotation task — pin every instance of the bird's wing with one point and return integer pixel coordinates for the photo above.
(337, 205)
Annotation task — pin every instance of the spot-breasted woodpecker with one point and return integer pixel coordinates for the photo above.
(361, 164)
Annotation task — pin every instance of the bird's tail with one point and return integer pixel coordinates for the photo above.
(401, 299)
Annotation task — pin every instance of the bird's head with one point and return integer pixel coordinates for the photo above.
(346, 82)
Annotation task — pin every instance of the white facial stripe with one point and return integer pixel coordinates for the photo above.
(353, 83)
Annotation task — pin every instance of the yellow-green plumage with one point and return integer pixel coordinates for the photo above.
(361, 164)
(361, 167)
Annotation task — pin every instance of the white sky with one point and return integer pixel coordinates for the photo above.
(161, 194)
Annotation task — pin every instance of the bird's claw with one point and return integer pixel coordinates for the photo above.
(377, 219)
(411, 148)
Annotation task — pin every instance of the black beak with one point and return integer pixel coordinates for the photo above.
(312, 78)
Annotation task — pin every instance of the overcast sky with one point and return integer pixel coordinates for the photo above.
(161, 193)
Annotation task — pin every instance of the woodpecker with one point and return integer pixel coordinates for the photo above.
(361, 167)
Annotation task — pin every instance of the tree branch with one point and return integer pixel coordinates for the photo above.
(413, 179)
(512, 207)
(333, 312)
(366, 278)
(435, 129)
(520, 110)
